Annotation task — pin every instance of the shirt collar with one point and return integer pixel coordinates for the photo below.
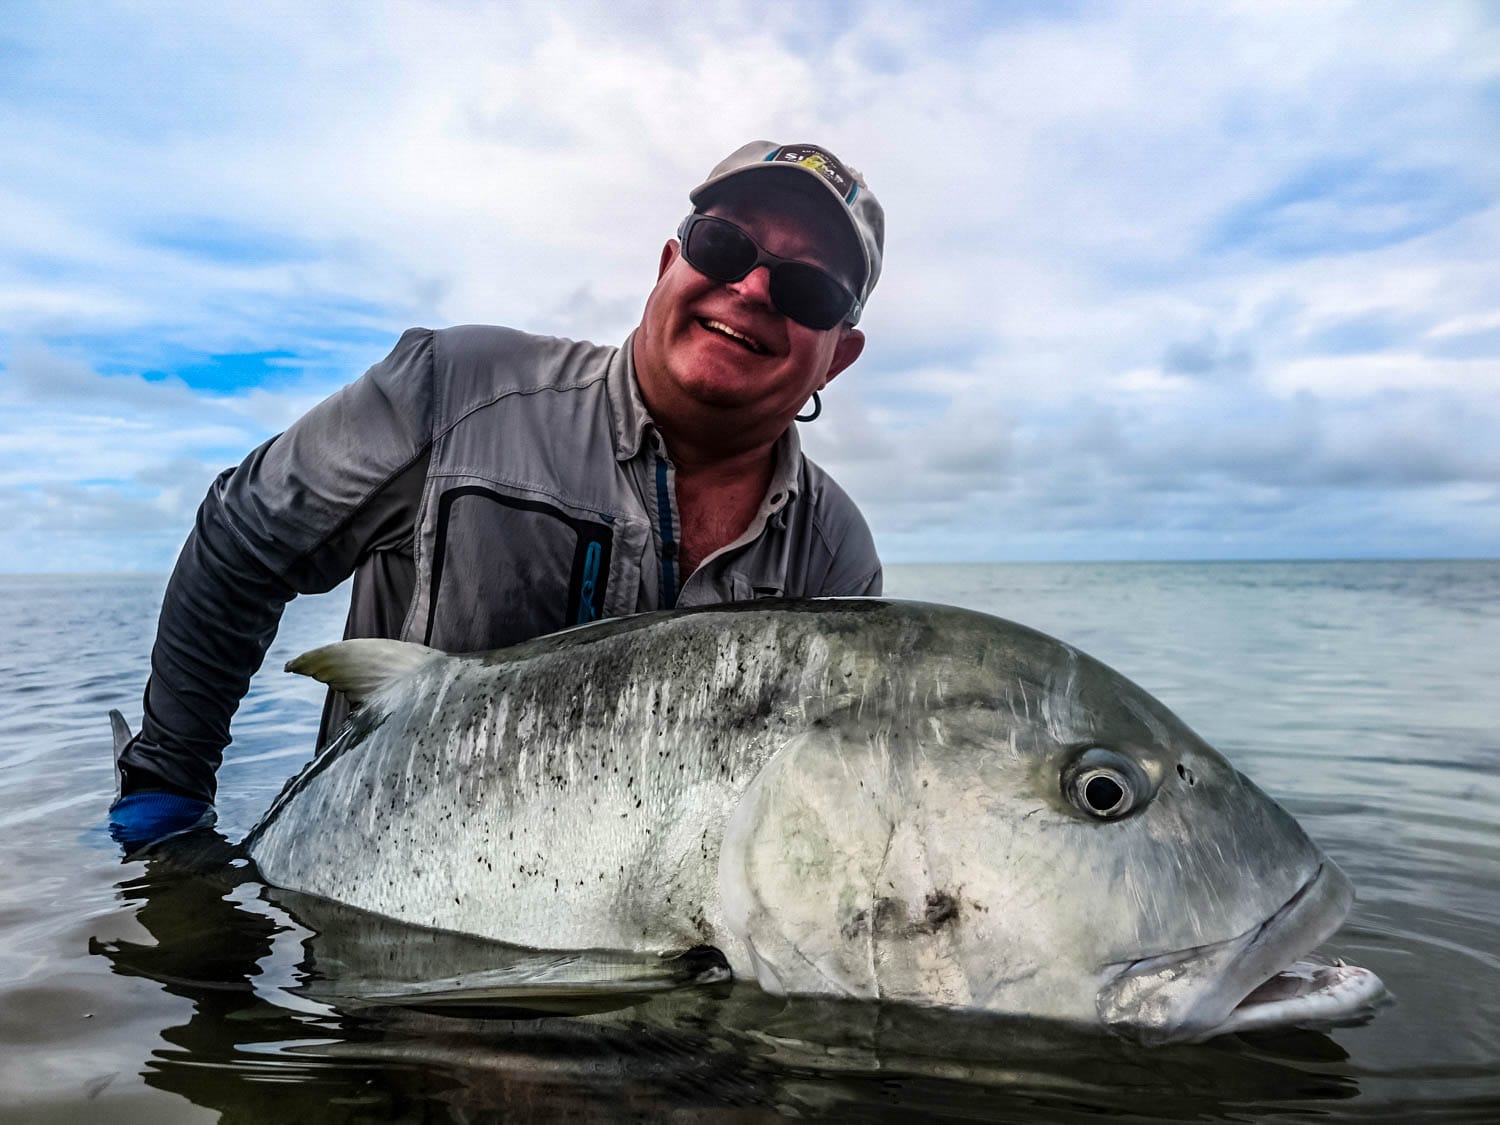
(633, 423)
(631, 419)
(788, 470)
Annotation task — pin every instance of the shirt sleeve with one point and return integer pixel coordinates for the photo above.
(297, 516)
(853, 565)
(855, 569)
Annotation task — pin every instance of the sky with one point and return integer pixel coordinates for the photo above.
(1161, 281)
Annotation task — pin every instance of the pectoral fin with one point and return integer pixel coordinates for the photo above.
(563, 982)
(569, 983)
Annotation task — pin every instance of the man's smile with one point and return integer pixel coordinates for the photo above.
(741, 338)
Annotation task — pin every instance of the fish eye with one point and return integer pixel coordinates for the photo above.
(1105, 784)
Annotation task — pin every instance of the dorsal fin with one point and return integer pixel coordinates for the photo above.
(361, 667)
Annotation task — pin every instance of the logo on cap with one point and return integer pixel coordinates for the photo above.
(825, 164)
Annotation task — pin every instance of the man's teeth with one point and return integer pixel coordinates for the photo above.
(720, 326)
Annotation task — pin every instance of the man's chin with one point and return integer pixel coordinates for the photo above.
(721, 398)
(734, 403)
(714, 379)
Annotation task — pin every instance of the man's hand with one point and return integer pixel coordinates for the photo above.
(146, 815)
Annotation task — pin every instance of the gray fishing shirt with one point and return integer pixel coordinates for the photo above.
(483, 486)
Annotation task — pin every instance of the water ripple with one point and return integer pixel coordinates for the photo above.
(1361, 695)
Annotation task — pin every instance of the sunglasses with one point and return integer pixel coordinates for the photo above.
(808, 294)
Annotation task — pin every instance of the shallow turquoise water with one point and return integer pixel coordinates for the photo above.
(1363, 696)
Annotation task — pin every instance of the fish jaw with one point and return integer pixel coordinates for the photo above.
(1310, 992)
(1258, 979)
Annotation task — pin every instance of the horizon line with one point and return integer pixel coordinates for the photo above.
(1267, 559)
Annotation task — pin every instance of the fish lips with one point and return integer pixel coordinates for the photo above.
(1190, 994)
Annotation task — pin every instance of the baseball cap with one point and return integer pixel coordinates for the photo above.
(845, 185)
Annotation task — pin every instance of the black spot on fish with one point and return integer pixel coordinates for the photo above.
(891, 919)
(941, 908)
(856, 924)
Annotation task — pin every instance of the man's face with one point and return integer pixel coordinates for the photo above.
(723, 345)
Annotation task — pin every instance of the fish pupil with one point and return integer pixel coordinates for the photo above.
(1103, 794)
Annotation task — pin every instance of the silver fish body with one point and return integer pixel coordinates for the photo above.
(851, 797)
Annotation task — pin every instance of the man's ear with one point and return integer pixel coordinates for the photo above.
(669, 254)
(846, 351)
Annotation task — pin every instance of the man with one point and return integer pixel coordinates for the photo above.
(484, 486)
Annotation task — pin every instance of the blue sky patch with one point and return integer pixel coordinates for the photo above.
(229, 243)
(1480, 344)
(329, 341)
(1346, 206)
(235, 372)
(1360, 335)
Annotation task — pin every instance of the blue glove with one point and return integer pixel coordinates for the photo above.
(144, 817)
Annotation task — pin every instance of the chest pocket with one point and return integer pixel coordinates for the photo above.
(747, 588)
(506, 568)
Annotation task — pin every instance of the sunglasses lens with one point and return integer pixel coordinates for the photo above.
(719, 250)
(808, 295)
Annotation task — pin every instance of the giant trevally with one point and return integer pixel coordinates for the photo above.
(852, 797)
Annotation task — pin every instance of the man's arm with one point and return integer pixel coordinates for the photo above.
(297, 516)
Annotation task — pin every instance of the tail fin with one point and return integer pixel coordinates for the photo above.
(120, 730)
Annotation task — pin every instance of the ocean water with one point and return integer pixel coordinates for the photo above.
(1364, 696)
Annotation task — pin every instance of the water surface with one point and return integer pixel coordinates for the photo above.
(1361, 695)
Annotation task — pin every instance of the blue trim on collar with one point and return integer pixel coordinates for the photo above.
(668, 536)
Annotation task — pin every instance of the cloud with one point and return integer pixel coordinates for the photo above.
(1205, 355)
(1363, 375)
(1163, 277)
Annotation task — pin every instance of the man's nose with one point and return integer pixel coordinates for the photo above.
(755, 285)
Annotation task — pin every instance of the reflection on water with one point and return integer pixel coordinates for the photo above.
(1359, 695)
(260, 1016)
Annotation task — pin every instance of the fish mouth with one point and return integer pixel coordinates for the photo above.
(1310, 992)
(1264, 978)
